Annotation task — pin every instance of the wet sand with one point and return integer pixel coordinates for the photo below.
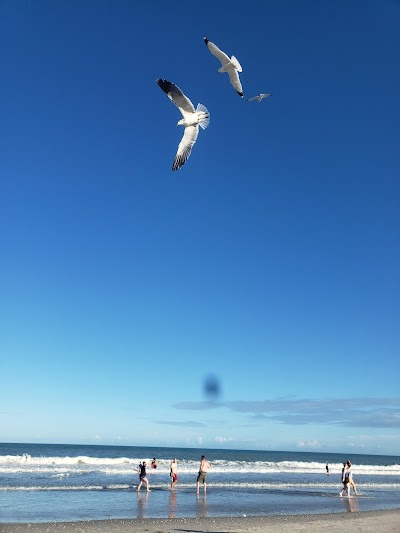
(365, 522)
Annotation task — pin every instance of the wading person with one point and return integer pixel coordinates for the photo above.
(174, 473)
(351, 480)
(202, 475)
(143, 477)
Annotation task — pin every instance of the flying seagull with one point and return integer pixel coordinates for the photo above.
(259, 97)
(231, 66)
(192, 119)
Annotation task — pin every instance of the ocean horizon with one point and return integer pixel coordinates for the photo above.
(66, 482)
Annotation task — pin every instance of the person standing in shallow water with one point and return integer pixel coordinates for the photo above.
(174, 473)
(345, 481)
(202, 475)
(143, 477)
(350, 476)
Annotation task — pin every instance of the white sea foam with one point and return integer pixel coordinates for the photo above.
(79, 460)
(277, 486)
(125, 465)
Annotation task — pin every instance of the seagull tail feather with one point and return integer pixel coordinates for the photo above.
(204, 120)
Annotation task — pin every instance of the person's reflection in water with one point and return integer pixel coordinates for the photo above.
(201, 506)
(172, 504)
(142, 504)
(351, 504)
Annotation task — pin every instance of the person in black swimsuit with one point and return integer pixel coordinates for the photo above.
(345, 481)
(143, 477)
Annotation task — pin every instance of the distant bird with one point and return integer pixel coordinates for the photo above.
(259, 97)
(192, 119)
(231, 66)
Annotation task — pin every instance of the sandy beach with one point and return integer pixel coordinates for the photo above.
(365, 522)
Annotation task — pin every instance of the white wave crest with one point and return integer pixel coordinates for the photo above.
(125, 465)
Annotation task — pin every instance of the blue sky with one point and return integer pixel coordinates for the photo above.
(270, 262)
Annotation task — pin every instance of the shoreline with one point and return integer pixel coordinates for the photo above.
(386, 521)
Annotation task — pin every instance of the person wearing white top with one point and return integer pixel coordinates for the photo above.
(174, 473)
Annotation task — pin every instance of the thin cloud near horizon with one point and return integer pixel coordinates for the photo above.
(345, 412)
(187, 424)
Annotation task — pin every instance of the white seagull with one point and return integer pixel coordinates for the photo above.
(231, 66)
(259, 97)
(192, 119)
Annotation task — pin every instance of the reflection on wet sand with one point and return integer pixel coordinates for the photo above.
(201, 506)
(351, 504)
(172, 504)
(141, 504)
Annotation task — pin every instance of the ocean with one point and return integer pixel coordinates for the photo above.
(40, 483)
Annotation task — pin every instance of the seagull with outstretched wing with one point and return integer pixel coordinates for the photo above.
(192, 119)
(259, 97)
(231, 66)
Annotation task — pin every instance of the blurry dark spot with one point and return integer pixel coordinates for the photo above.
(212, 387)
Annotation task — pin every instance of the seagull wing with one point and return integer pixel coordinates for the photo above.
(185, 146)
(260, 97)
(173, 92)
(216, 51)
(235, 81)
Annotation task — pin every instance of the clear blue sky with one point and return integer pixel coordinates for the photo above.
(269, 261)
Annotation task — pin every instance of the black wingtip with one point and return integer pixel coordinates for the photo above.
(205, 40)
(240, 94)
(165, 85)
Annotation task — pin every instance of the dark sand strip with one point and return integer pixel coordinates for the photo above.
(365, 522)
